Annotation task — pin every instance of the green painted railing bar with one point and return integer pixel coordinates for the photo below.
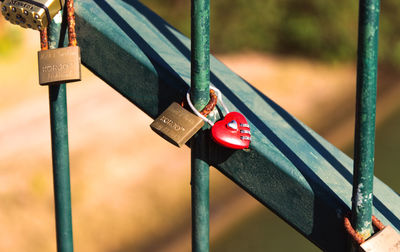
(200, 54)
(364, 141)
(200, 192)
(289, 168)
(60, 151)
(200, 79)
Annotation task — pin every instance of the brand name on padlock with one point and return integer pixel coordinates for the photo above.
(22, 4)
(60, 71)
(176, 124)
(171, 123)
(58, 68)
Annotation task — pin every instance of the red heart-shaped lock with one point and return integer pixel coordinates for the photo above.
(232, 132)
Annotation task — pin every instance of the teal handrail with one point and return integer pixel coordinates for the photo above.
(200, 88)
(364, 141)
(60, 151)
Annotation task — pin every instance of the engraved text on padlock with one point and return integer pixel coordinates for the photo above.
(177, 125)
(59, 65)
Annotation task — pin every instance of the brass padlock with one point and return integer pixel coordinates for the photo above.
(35, 14)
(59, 65)
(177, 125)
(386, 240)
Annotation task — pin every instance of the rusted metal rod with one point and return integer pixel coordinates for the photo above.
(364, 141)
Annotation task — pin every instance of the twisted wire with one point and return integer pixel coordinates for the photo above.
(71, 23)
(44, 43)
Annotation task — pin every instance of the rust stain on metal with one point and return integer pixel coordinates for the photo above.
(210, 105)
(354, 234)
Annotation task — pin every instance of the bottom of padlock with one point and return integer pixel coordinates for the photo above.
(60, 65)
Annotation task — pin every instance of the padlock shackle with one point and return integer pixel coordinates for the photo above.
(219, 94)
(208, 108)
(71, 23)
(71, 28)
(354, 234)
(377, 223)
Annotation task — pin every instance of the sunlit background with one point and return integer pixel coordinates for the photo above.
(130, 188)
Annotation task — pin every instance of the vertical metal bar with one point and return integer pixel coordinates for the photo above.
(200, 53)
(200, 194)
(200, 79)
(364, 141)
(60, 152)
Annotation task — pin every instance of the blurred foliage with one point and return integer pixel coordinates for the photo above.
(325, 30)
(10, 39)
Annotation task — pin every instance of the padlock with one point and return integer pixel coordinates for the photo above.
(177, 125)
(386, 240)
(35, 14)
(232, 132)
(61, 65)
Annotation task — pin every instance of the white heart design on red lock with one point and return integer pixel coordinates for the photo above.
(233, 125)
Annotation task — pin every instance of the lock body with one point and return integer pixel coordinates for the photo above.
(385, 240)
(35, 14)
(177, 125)
(61, 65)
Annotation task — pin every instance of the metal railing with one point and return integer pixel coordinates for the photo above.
(60, 150)
(364, 140)
(312, 193)
(200, 90)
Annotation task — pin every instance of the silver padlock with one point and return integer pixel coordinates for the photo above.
(386, 240)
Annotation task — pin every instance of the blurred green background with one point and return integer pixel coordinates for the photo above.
(325, 30)
(10, 39)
